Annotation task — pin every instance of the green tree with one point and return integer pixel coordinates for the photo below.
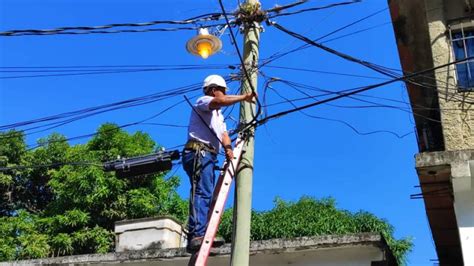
(60, 209)
(312, 217)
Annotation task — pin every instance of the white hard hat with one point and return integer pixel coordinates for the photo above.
(214, 80)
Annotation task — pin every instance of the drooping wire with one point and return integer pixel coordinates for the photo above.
(342, 121)
(314, 9)
(62, 30)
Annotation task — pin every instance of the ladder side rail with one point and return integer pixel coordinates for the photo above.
(223, 187)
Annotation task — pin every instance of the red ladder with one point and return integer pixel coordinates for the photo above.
(219, 198)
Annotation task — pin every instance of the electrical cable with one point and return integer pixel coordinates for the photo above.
(323, 72)
(49, 69)
(374, 104)
(380, 69)
(363, 89)
(314, 8)
(366, 88)
(244, 69)
(120, 104)
(304, 46)
(414, 106)
(103, 31)
(118, 127)
(277, 9)
(345, 122)
(193, 20)
(99, 71)
(22, 167)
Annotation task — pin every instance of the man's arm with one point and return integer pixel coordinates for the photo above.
(229, 154)
(226, 100)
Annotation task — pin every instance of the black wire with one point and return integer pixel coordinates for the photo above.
(193, 20)
(343, 95)
(123, 104)
(324, 72)
(314, 8)
(21, 167)
(380, 69)
(414, 110)
(101, 72)
(344, 122)
(48, 69)
(244, 69)
(304, 46)
(113, 129)
(370, 87)
(104, 31)
(277, 9)
(357, 32)
(374, 104)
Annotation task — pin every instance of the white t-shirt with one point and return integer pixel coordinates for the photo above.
(214, 119)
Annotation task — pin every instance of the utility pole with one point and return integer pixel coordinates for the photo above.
(249, 11)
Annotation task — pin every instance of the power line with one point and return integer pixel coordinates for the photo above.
(413, 106)
(380, 69)
(107, 107)
(143, 121)
(22, 167)
(374, 104)
(107, 31)
(357, 32)
(304, 46)
(358, 132)
(99, 29)
(323, 72)
(343, 95)
(101, 71)
(314, 9)
(242, 63)
(114, 67)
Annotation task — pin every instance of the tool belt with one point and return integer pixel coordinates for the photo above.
(198, 146)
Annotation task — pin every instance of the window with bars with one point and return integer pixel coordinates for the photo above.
(462, 41)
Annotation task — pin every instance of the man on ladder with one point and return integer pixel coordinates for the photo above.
(207, 132)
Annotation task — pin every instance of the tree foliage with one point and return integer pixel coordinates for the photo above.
(312, 217)
(71, 209)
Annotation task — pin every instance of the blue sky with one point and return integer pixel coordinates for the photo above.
(294, 155)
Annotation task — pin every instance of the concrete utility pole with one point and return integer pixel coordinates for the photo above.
(243, 187)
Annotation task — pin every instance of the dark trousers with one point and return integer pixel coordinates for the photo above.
(199, 165)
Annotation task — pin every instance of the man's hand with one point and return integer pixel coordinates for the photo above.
(249, 97)
(229, 154)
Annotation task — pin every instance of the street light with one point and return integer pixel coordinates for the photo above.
(204, 44)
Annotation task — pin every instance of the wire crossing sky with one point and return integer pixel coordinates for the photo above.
(54, 80)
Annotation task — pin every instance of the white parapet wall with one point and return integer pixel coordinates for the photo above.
(463, 188)
(146, 233)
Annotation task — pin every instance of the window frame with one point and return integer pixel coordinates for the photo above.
(461, 27)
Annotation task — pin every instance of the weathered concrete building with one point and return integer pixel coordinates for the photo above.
(430, 34)
(360, 249)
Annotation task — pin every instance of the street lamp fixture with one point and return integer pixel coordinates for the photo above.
(204, 44)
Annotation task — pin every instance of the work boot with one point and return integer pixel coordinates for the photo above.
(218, 241)
(196, 243)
